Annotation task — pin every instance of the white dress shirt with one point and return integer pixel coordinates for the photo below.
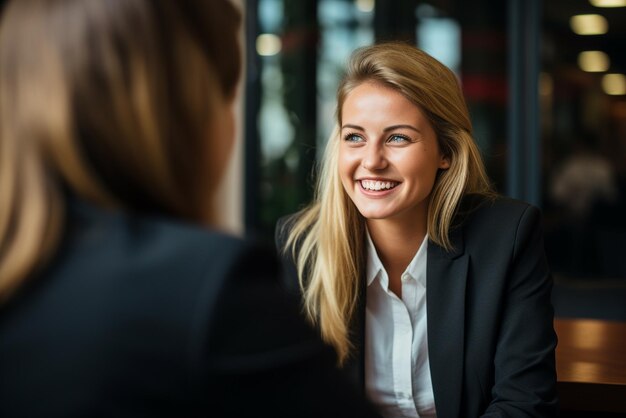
(397, 371)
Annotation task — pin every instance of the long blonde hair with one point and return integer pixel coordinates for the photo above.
(327, 239)
(109, 101)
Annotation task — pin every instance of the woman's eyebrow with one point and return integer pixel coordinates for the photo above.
(357, 127)
(387, 129)
(394, 127)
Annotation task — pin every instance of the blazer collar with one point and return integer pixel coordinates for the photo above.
(355, 365)
(458, 245)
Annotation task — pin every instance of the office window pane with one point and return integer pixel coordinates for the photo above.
(583, 101)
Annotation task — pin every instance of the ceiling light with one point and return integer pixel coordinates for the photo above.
(365, 5)
(608, 3)
(268, 44)
(614, 84)
(593, 61)
(589, 24)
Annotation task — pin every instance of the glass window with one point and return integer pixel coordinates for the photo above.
(583, 109)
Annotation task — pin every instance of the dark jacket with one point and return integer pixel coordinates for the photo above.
(146, 317)
(490, 335)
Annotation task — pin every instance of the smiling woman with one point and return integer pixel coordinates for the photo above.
(387, 141)
(423, 280)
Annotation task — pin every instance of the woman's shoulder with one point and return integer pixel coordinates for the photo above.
(123, 241)
(285, 223)
(493, 208)
(159, 264)
(285, 226)
(497, 219)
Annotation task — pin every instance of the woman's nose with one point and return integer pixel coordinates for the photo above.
(374, 158)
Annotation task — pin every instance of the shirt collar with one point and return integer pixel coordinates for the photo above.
(374, 265)
(416, 268)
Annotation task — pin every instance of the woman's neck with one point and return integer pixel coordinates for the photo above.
(396, 244)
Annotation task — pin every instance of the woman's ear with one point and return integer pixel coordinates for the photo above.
(444, 163)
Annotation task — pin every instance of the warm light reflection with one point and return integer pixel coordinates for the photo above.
(586, 369)
(268, 44)
(365, 5)
(614, 84)
(589, 336)
(593, 61)
(589, 24)
(546, 84)
(608, 3)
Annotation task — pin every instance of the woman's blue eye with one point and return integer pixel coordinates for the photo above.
(398, 138)
(352, 138)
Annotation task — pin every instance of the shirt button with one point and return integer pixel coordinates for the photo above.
(406, 277)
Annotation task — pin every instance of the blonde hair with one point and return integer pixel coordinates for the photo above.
(327, 238)
(108, 101)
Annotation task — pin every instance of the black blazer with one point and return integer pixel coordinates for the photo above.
(146, 317)
(490, 320)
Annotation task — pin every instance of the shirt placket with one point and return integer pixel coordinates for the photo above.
(402, 346)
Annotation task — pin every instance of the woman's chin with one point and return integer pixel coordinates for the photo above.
(375, 214)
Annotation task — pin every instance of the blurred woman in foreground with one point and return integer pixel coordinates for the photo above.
(116, 121)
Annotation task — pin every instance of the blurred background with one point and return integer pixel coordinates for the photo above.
(545, 86)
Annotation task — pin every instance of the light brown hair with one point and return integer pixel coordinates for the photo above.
(110, 101)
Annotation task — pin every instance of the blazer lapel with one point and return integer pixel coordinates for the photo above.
(445, 303)
(355, 365)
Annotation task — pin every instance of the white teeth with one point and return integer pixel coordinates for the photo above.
(378, 185)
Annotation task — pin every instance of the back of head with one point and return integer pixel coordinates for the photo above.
(111, 101)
